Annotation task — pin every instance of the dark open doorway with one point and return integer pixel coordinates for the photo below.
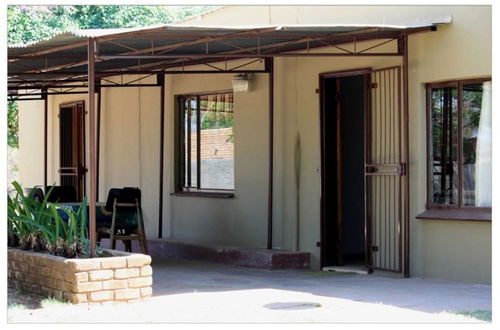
(344, 100)
(72, 151)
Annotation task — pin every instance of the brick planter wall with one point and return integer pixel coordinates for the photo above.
(121, 277)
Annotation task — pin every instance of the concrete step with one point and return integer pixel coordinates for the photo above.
(239, 256)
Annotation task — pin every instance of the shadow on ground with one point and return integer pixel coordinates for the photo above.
(18, 299)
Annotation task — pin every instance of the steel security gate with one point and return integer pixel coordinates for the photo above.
(385, 172)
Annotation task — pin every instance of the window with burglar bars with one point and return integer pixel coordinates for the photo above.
(459, 157)
(206, 157)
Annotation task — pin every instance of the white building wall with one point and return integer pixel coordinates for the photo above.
(130, 140)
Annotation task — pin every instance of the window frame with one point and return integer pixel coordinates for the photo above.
(182, 188)
(460, 212)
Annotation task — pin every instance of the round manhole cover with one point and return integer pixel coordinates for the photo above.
(292, 305)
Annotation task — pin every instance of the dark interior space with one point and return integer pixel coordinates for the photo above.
(344, 220)
(71, 154)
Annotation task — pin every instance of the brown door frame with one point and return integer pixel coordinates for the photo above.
(322, 76)
(78, 123)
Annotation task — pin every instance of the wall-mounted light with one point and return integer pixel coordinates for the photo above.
(241, 83)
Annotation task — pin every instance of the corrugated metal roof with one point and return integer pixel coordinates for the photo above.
(66, 53)
(75, 35)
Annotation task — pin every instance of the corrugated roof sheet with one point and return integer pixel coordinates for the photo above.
(66, 53)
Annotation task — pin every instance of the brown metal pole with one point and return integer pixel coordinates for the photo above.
(270, 67)
(161, 81)
(407, 152)
(92, 148)
(45, 137)
(98, 147)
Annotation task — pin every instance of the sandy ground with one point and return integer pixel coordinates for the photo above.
(246, 306)
(189, 292)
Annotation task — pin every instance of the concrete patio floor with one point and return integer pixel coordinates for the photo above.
(195, 292)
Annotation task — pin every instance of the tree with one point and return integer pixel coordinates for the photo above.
(32, 23)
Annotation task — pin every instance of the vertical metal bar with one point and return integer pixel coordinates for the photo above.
(388, 238)
(80, 113)
(270, 67)
(98, 147)
(379, 161)
(385, 178)
(393, 180)
(161, 81)
(189, 143)
(400, 178)
(198, 142)
(407, 160)
(92, 131)
(45, 136)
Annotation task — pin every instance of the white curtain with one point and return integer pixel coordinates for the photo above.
(483, 150)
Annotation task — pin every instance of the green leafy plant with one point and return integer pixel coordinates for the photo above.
(43, 226)
(12, 124)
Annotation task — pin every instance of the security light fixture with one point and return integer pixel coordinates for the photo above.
(241, 83)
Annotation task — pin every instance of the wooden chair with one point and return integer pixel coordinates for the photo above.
(126, 221)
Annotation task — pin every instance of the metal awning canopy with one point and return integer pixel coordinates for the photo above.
(84, 58)
(174, 48)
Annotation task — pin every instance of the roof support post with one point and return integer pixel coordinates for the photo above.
(98, 147)
(269, 63)
(92, 145)
(161, 82)
(404, 48)
(45, 136)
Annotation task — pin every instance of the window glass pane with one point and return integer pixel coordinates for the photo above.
(476, 135)
(444, 145)
(217, 141)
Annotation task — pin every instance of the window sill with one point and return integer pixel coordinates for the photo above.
(456, 214)
(208, 194)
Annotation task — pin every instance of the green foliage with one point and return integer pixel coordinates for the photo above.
(40, 225)
(216, 119)
(32, 23)
(12, 125)
(216, 114)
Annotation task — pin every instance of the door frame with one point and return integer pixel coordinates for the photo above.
(338, 74)
(75, 105)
